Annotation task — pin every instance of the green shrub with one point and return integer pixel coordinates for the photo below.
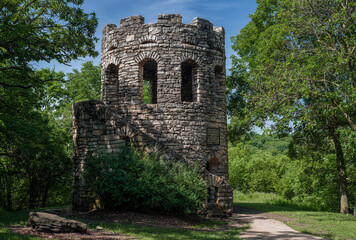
(258, 171)
(131, 180)
(307, 175)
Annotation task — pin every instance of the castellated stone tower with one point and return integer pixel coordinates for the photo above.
(184, 117)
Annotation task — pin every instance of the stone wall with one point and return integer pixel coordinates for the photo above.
(186, 65)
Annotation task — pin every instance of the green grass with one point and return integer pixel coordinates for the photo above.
(153, 233)
(304, 217)
(13, 218)
(141, 232)
(211, 223)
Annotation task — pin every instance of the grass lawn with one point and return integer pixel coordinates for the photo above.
(304, 218)
(13, 218)
(148, 233)
(138, 231)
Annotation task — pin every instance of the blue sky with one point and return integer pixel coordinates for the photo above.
(231, 14)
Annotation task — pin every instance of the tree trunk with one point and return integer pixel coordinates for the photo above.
(344, 207)
(8, 182)
(45, 195)
(32, 195)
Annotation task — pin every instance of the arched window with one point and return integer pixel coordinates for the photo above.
(149, 82)
(189, 81)
(213, 165)
(111, 73)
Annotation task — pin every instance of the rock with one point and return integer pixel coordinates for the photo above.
(99, 228)
(46, 222)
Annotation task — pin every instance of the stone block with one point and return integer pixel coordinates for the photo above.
(45, 222)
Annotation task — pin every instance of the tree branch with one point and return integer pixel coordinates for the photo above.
(10, 67)
(353, 126)
(15, 85)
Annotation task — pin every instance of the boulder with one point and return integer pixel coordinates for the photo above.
(46, 222)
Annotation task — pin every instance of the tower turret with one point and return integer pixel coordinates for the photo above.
(183, 66)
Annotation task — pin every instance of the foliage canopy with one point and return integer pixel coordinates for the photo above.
(34, 152)
(296, 67)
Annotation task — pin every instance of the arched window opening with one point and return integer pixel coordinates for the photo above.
(149, 77)
(111, 72)
(213, 165)
(189, 82)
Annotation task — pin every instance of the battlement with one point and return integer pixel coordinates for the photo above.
(163, 19)
(138, 19)
(108, 28)
(170, 19)
(202, 23)
(168, 29)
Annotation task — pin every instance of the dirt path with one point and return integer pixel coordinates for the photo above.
(264, 226)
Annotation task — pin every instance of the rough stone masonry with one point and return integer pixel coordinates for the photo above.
(184, 67)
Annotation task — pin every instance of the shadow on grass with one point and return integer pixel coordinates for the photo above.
(8, 218)
(150, 232)
(15, 236)
(145, 232)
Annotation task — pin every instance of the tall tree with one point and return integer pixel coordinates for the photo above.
(298, 57)
(30, 150)
(41, 30)
(59, 96)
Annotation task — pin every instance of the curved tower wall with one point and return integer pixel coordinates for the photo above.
(185, 65)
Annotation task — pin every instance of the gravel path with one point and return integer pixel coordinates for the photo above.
(262, 226)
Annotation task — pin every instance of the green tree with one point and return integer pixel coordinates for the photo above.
(42, 30)
(76, 86)
(252, 169)
(33, 160)
(298, 57)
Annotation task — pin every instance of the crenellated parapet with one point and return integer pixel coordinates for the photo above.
(133, 31)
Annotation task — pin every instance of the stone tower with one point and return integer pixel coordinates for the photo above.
(184, 117)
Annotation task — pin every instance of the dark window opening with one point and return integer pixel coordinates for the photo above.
(213, 165)
(216, 194)
(150, 82)
(127, 140)
(111, 73)
(212, 194)
(187, 82)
